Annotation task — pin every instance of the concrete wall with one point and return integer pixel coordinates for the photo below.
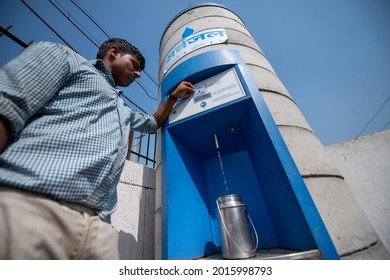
(134, 217)
(365, 165)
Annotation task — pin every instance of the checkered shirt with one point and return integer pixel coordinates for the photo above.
(69, 127)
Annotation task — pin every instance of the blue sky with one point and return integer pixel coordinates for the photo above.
(332, 56)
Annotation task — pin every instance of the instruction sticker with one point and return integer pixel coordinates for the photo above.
(210, 93)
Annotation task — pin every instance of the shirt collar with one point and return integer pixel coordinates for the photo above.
(99, 64)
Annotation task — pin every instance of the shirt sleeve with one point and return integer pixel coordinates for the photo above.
(142, 122)
(29, 81)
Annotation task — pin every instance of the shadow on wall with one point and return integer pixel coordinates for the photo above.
(146, 227)
(138, 244)
(134, 218)
(126, 245)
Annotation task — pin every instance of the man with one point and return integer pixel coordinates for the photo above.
(63, 142)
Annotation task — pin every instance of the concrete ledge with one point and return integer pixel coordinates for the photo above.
(344, 219)
(284, 111)
(307, 151)
(266, 80)
(138, 175)
(377, 251)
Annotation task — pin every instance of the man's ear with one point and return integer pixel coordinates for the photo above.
(114, 51)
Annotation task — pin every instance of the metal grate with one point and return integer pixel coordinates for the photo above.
(278, 254)
(142, 148)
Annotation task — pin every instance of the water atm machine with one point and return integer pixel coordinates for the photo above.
(252, 160)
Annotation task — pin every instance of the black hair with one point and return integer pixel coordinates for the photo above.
(124, 47)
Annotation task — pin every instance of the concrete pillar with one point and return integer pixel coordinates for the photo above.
(134, 218)
(350, 230)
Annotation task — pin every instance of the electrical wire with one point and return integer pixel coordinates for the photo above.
(383, 128)
(143, 87)
(147, 74)
(85, 12)
(68, 18)
(51, 28)
(91, 35)
(374, 116)
(55, 32)
(132, 102)
(75, 25)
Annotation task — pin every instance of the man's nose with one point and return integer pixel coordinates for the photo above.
(137, 74)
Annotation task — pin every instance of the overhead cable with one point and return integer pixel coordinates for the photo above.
(101, 28)
(150, 78)
(75, 25)
(374, 116)
(132, 102)
(143, 87)
(383, 128)
(55, 32)
(85, 12)
(51, 28)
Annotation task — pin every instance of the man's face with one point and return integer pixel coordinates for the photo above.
(125, 69)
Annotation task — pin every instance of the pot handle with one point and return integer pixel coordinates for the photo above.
(227, 232)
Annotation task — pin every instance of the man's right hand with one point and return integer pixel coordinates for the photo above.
(182, 89)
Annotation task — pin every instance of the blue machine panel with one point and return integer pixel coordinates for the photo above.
(255, 164)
